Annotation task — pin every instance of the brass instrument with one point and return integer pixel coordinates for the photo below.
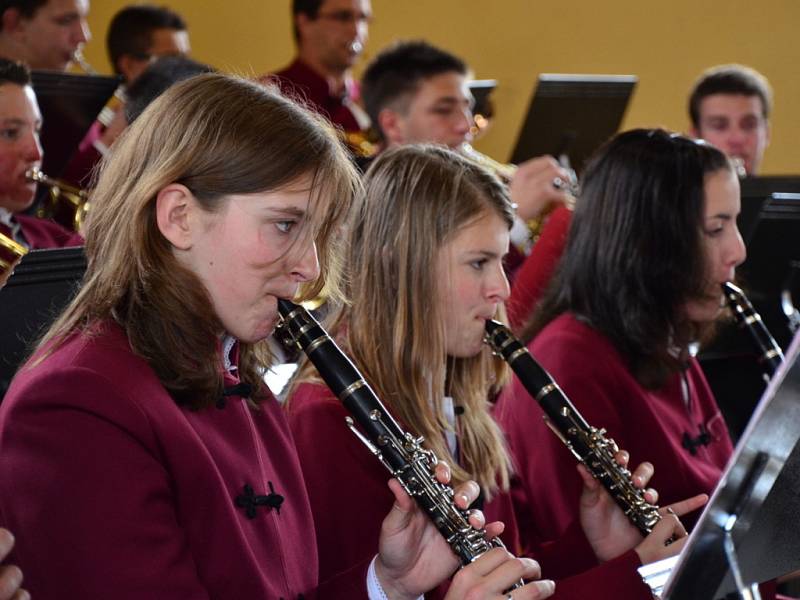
(770, 355)
(67, 204)
(506, 171)
(363, 144)
(399, 451)
(588, 444)
(11, 253)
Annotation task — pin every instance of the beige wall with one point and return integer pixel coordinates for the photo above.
(665, 43)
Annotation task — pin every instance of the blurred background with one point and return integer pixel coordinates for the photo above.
(666, 44)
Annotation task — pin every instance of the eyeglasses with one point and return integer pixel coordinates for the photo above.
(345, 17)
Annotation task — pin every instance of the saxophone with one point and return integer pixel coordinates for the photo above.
(770, 354)
(588, 444)
(399, 451)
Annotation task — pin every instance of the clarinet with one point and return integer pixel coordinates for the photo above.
(770, 355)
(399, 451)
(588, 444)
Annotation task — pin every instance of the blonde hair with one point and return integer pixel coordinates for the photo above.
(416, 199)
(217, 135)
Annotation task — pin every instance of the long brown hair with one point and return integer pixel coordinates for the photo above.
(217, 135)
(635, 254)
(416, 199)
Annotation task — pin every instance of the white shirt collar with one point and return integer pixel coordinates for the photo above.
(5, 217)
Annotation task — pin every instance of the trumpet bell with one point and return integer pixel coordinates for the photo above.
(11, 253)
(66, 204)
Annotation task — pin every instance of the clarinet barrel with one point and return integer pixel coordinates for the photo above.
(770, 355)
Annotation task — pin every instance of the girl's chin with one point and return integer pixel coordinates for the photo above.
(704, 311)
(257, 333)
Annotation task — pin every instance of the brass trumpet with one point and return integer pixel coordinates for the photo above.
(66, 205)
(11, 253)
(505, 172)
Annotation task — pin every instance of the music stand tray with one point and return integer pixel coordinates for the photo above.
(573, 115)
(756, 502)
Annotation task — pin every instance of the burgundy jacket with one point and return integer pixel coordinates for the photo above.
(40, 234)
(347, 487)
(533, 276)
(115, 491)
(302, 83)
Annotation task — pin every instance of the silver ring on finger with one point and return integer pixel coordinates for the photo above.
(558, 183)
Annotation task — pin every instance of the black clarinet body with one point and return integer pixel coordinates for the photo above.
(400, 452)
(770, 355)
(588, 444)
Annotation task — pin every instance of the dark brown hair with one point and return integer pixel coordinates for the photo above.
(635, 254)
(729, 79)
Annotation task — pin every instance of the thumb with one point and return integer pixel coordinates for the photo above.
(402, 511)
(590, 492)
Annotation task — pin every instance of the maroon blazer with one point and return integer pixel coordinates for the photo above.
(648, 424)
(115, 491)
(41, 234)
(302, 83)
(347, 488)
(534, 274)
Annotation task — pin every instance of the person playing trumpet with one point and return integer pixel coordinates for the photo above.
(20, 152)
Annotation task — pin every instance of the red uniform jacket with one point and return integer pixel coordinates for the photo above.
(301, 82)
(115, 491)
(347, 487)
(533, 276)
(40, 234)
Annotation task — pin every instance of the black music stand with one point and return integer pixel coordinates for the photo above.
(773, 250)
(70, 104)
(42, 284)
(481, 90)
(755, 191)
(752, 515)
(573, 115)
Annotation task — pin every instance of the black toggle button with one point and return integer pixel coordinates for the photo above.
(250, 501)
(240, 389)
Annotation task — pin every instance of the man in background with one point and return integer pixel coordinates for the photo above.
(137, 35)
(729, 106)
(43, 34)
(330, 37)
(140, 33)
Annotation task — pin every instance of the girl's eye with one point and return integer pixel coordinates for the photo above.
(285, 226)
(478, 264)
